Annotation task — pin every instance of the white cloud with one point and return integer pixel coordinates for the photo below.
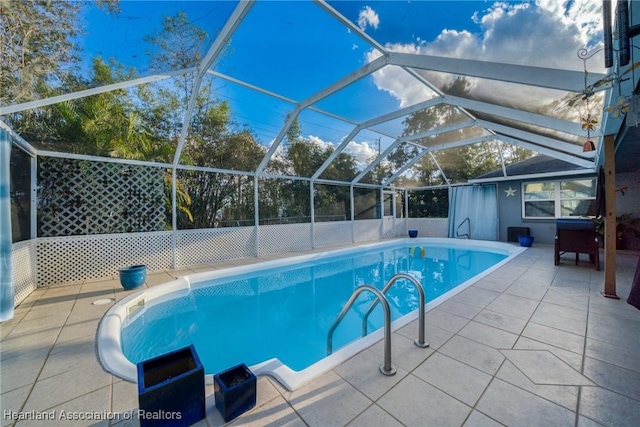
(368, 18)
(362, 152)
(319, 142)
(545, 34)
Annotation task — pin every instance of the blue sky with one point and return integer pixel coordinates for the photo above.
(296, 49)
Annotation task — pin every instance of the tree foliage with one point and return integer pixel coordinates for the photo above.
(38, 49)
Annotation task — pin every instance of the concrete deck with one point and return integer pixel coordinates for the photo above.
(531, 344)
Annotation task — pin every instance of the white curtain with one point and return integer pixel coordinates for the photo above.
(473, 212)
(6, 280)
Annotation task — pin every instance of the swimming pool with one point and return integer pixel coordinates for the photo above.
(274, 316)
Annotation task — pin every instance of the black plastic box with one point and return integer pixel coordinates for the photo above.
(171, 389)
(514, 232)
(235, 391)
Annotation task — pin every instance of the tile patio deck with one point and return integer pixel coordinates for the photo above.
(531, 344)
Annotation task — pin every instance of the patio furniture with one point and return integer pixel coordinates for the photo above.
(579, 236)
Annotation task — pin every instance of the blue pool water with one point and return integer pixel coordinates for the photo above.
(285, 312)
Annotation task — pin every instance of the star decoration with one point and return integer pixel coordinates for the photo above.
(510, 192)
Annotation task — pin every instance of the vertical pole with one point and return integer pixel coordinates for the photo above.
(381, 208)
(33, 209)
(393, 212)
(610, 218)
(174, 215)
(256, 210)
(353, 216)
(313, 214)
(406, 211)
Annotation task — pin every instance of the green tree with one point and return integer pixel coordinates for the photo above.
(108, 124)
(179, 45)
(214, 140)
(215, 143)
(38, 49)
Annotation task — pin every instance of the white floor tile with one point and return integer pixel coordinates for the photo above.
(415, 403)
(513, 406)
(455, 378)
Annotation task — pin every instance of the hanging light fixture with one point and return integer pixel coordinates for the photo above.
(588, 146)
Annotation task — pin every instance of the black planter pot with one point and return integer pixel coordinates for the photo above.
(235, 391)
(171, 389)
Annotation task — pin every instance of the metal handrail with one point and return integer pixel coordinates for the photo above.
(467, 235)
(387, 368)
(420, 342)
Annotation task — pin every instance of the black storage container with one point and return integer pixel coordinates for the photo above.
(514, 232)
(171, 389)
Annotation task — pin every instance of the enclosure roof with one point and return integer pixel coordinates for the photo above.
(536, 165)
(356, 77)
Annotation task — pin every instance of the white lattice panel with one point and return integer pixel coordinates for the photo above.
(24, 259)
(284, 238)
(332, 233)
(81, 197)
(78, 258)
(387, 227)
(367, 229)
(429, 227)
(401, 227)
(216, 244)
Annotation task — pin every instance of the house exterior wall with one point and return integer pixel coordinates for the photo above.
(543, 230)
(510, 211)
(510, 215)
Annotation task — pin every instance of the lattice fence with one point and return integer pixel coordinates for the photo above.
(57, 260)
(79, 197)
(275, 239)
(429, 227)
(401, 227)
(332, 233)
(367, 229)
(217, 244)
(78, 258)
(24, 259)
(388, 227)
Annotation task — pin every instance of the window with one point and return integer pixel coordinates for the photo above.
(557, 199)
